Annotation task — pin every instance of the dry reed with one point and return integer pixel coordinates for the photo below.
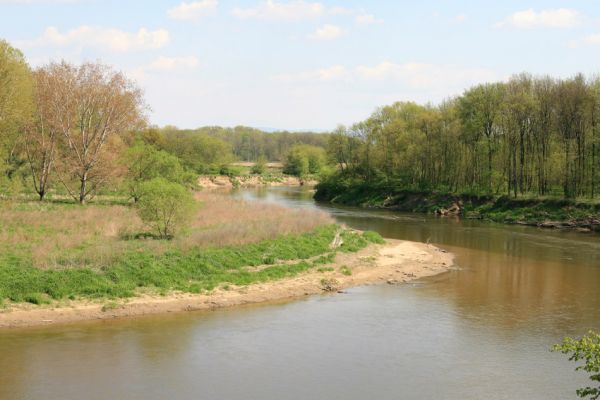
(66, 235)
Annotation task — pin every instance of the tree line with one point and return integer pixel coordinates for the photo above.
(251, 144)
(82, 130)
(527, 136)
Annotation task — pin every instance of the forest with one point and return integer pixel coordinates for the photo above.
(529, 136)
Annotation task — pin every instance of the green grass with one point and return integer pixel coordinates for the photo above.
(193, 271)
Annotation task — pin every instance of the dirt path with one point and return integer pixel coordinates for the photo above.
(394, 262)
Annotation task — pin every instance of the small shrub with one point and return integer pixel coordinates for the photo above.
(230, 170)
(345, 270)
(260, 167)
(166, 207)
(373, 237)
(268, 259)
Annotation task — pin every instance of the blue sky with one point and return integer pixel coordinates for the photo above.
(305, 64)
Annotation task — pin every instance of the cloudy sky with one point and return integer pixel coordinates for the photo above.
(305, 64)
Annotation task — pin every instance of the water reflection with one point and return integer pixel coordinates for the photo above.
(513, 277)
(479, 332)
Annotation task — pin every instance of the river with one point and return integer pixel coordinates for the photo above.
(482, 331)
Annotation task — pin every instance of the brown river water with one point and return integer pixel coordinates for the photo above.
(480, 332)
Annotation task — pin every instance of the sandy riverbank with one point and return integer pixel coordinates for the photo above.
(394, 262)
(226, 182)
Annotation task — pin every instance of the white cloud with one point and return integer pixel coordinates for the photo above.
(194, 10)
(551, 18)
(327, 32)
(280, 11)
(424, 75)
(412, 75)
(105, 38)
(163, 64)
(367, 19)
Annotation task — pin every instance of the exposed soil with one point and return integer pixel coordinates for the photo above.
(223, 181)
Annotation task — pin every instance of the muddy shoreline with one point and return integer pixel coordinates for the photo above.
(394, 262)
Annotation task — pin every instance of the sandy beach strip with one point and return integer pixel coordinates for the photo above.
(394, 262)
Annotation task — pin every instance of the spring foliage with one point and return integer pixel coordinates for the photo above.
(166, 207)
(529, 136)
(586, 349)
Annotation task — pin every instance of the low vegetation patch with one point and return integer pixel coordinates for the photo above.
(199, 261)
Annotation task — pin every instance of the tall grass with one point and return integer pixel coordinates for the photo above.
(63, 235)
(55, 250)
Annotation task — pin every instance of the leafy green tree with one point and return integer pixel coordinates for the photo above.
(304, 159)
(199, 152)
(479, 108)
(145, 162)
(296, 163)
(166, 207)
(16, 102)
(585, 349)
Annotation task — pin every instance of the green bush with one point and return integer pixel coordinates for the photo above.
(260, 167)
(165, 207)
(304, 159)
(144, 162)
(230, 170)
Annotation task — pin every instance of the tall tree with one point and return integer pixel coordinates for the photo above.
(98, 105)
(479, 110)
(15, 101)
(41, 131)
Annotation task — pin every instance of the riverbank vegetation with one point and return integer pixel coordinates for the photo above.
(51, 250)
(118, 211)
(528, 137)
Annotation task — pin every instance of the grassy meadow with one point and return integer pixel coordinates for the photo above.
(57, 250)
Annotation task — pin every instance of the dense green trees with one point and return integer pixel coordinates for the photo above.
(537, 136)
(145, 162)
(250, 144)
(199, 152)
(304, 159)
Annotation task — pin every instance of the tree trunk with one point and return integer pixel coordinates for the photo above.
(82, 189)
(490, 191)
